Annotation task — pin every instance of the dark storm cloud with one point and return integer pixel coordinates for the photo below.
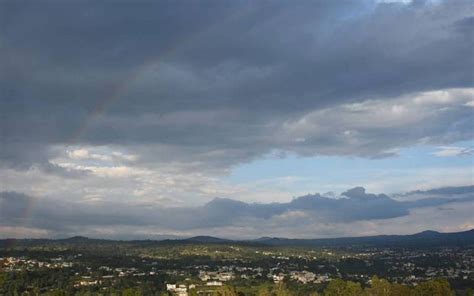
(181, 81)
(13, 207)
(437, 196)
(445, 191)
(72, 217)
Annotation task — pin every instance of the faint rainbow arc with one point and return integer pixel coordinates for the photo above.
(122, 87)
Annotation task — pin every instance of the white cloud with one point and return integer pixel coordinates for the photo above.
(99, 153)
(78, 153)
(367, 127)
(452, 151)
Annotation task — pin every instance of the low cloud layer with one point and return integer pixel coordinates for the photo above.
(355, 206)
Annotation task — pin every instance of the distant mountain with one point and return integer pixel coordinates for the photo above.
(427, 238)
(422, 239)
(77, 239)
(206, 239)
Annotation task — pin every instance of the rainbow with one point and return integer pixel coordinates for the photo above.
(122, 87)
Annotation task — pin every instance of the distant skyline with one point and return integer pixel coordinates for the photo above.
(137, 119)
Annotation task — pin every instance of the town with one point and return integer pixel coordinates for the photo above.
(206, 269)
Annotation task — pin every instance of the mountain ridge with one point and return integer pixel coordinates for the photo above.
(424, 238)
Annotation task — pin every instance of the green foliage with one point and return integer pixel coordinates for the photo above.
(227, 291)
(264, 291)
(282, 290)
(3, 278)
(335, 288)
(399, 290)
(439, 287)
(57, 292)
(379, 287)
(132, 292)
(340, 287)
(353, 289)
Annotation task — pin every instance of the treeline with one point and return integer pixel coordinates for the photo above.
(338, 287)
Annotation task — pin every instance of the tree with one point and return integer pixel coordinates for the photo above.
(339, 287)
(335, 288)
(3, 278)
(132, 292)
(264, 292)
(379, 287)
(399, 290)
(282, 290)
(227, 291)
(58, 292)
(353, 289)
(439, 287)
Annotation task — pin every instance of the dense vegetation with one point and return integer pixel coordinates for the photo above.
(58, 284)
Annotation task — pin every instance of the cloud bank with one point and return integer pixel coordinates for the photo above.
(297, 217)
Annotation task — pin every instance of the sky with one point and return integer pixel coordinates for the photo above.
(237, 119)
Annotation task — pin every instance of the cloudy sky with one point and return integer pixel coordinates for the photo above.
(235, 118)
